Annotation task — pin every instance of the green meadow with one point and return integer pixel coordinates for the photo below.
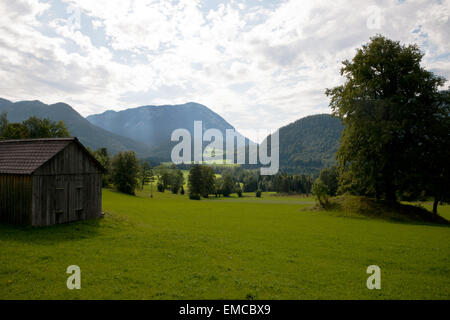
(274, 247)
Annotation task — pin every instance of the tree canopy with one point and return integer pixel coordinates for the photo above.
(392, 112)
(33, 127)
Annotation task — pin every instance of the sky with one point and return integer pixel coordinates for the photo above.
(260, 64)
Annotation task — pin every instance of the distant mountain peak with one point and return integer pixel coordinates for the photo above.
(4, 101)
(153, 125)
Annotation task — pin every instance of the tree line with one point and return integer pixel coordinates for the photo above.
(31, 128)
(204, 181)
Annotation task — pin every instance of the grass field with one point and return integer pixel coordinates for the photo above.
(169, 247)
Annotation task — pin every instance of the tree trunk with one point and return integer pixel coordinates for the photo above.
(435, 205)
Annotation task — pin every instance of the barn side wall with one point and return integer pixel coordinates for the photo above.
(15, 199)
(67, 188)
(64, 198)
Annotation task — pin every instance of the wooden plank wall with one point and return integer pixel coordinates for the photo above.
(71, 169)
(45, 201)
(15, 199)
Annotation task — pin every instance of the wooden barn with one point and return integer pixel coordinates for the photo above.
(48, 181)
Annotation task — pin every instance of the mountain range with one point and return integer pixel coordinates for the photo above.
(77, 125)
(306, 145)
(153, 125)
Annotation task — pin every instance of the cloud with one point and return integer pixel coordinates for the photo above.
(258, 64)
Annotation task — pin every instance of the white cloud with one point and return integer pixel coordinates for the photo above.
(258, 66)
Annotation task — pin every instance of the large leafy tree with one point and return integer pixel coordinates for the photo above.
(386, 97)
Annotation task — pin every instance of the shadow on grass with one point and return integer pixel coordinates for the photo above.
(78, 230)
(362, 207)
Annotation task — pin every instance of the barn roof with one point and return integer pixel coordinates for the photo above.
(24, 156)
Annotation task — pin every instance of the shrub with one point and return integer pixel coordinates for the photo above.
(194, 196)
(160, 187)
(174, 189)
(321, 192)
(258, 193)
(329, 177)
(228, 185)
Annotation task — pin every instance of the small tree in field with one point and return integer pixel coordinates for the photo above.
(151, 179)
(219, 187)
(145, 173)
(321, 192)
(228, 185)
(195, 182)
(163, 177)
(125, 170)
(238, 190)
(176, 180)
(209, 181)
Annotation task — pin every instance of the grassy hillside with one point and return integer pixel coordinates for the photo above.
(170, 247)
